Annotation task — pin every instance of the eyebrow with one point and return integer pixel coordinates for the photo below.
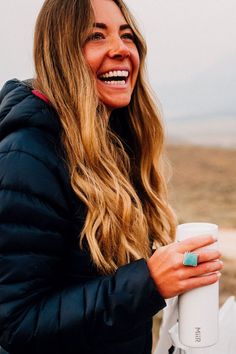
(104, 26)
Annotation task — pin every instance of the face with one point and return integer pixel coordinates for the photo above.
(112, 55)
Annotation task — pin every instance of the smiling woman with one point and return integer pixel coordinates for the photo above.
(112, 55)
(83, 193)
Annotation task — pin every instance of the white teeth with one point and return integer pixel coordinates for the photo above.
(122, 73)
(121, 82)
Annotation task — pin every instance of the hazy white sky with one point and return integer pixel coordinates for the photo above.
(191, 56)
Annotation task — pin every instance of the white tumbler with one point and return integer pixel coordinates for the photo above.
(199, 308)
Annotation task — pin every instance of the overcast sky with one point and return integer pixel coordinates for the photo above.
(191, 51)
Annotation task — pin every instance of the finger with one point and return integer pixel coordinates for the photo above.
(193, 243)
(197, 282)
(208, 255)
(203, 256)
(202, 269)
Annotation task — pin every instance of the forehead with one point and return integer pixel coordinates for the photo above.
(107, 11)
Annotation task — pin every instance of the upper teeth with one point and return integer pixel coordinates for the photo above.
(122, 73)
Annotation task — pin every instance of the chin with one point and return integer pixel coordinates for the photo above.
(114, 104)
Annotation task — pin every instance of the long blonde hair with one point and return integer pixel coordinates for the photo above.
(125, 195)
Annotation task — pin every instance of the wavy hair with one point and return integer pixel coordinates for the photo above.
(124, 192)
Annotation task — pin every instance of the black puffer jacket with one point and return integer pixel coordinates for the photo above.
(51, 298)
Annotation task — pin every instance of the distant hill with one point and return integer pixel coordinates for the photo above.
(208, 131)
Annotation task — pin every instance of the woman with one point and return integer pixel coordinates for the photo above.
(83, 194)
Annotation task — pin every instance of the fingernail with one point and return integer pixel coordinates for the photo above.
(218, 274)
(222, 263)
(215, 238)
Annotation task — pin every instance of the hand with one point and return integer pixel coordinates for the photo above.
(173, 278)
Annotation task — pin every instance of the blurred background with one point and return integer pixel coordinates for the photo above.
(191, 67)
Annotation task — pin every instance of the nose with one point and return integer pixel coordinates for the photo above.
(118, 49)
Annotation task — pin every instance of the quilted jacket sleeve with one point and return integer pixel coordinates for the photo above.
(38, 314)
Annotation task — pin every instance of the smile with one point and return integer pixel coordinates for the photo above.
(116, 77)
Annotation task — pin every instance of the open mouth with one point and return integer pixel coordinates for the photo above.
(119, 77)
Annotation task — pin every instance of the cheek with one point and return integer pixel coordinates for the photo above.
(92, 60)
(136, 63)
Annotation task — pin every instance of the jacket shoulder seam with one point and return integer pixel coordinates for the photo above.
(26, 153)
(34, 195)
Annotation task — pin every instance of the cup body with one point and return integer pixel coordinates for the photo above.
(199, 308)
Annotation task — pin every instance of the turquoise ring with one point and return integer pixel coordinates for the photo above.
(190, 259)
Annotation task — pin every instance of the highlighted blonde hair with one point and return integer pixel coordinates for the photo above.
(125, 195)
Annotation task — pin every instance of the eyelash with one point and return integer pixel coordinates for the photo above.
(128, 36)
(96, 36)
(99, 35)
